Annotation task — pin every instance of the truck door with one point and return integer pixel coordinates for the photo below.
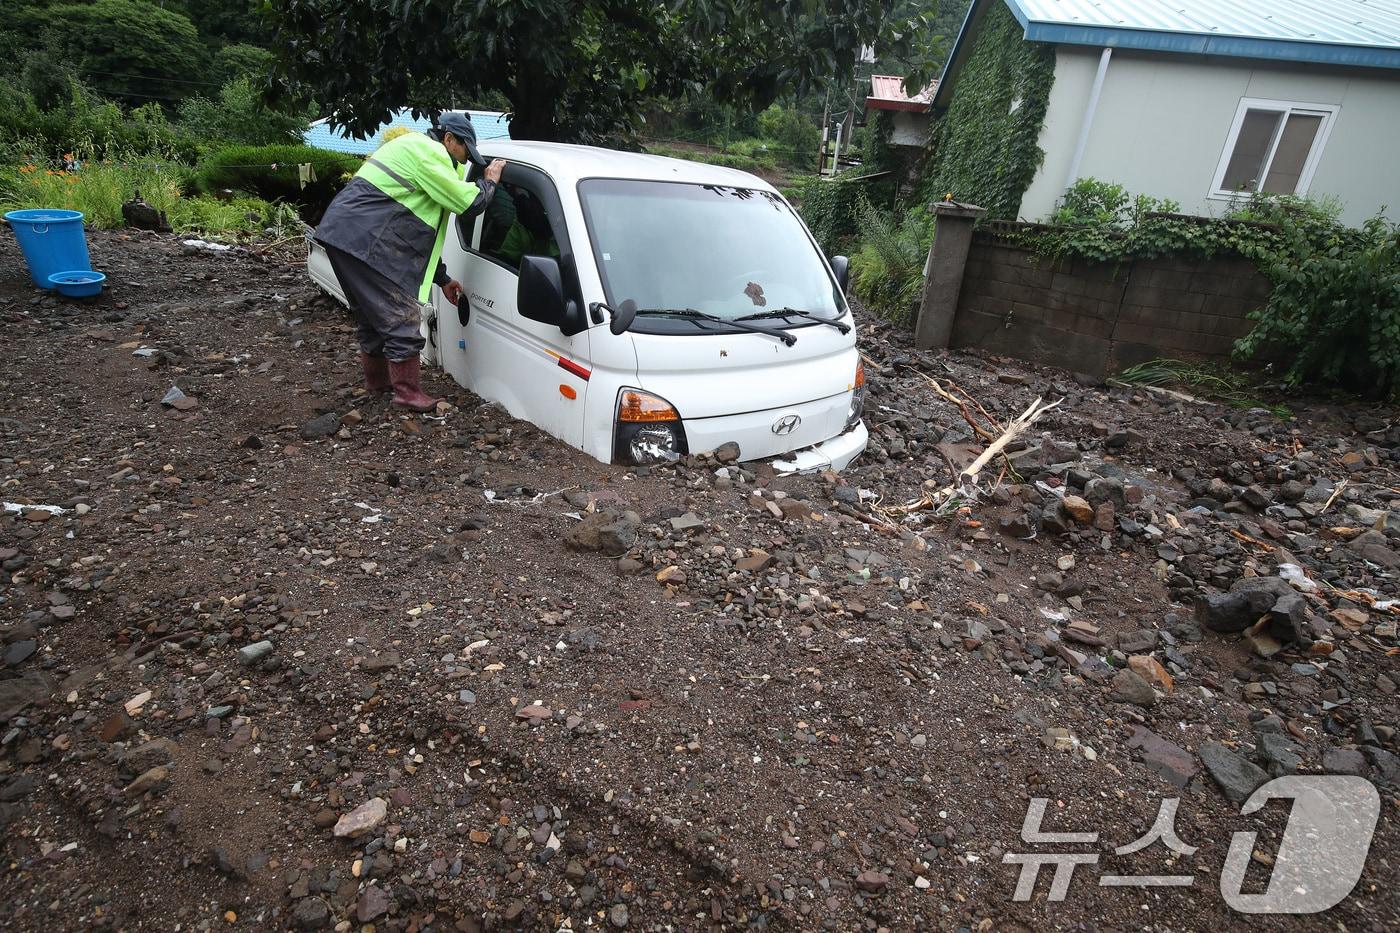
(533, 369)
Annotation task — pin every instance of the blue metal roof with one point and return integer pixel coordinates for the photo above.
(1363, 33)
(488, 125)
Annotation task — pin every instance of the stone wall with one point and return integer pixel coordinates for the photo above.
(1100, 318)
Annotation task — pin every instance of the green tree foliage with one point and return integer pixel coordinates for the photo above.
(240, 60)
(985, 149)
(238, 116)
(226, 21)
(129, 49)
(571, 69)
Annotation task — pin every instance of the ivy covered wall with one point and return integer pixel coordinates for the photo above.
(984, 150)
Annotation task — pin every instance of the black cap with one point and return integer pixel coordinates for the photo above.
(458, 124)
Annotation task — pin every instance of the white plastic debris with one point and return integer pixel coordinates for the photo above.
(17, 507)
(1297, 577)
(206, 245)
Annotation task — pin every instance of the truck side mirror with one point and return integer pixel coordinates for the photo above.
(841, 268)
(540, 295)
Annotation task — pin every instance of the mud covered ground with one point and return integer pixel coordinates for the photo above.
(269, 669)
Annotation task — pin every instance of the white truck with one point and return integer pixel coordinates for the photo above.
(641, 308)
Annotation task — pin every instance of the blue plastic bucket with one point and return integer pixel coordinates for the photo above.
(52, 241)
(78, 283)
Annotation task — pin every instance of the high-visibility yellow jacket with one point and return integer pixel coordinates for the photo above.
(393, 215)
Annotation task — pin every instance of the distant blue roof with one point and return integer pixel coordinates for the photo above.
(1360, 33)
(488, 125)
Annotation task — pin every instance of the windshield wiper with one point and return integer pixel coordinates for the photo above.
(794, 312)
(694, 315)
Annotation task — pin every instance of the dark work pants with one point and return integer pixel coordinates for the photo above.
(388, 317)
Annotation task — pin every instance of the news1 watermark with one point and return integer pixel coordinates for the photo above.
(1319, 860)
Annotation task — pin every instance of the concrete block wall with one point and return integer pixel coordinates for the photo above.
(1099, 318)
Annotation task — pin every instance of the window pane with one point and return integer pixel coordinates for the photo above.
(1251, 149)
(516, 225)
(1293, 148)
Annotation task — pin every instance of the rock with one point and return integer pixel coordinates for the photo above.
(727, 453)
(1278, 754)
(1138, 642)
(1055, 519)
(249, 655)
(1249, 600)
(362, 819)
(671, 574)
(18, 693)
(1102, 489)
(1129, 687)
(534, 714)
(373, 903)
(1079, 509)
(1375, 547)
(1344, 761)
(1170, 761)
(137, 213)
(1150, 670)
(1236, 777)
(618, 916)
(19, 652)
(687, 522)
(756, 561)
(19, 788)
(607, 532)
(148, 755)
(380, 662)
(1257, 497)
(320, 426)
(311, 913)
(1015, 526)
(148, 781)
(872, 882)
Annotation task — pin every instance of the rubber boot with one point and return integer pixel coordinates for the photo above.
(407, 392)
(376, 370)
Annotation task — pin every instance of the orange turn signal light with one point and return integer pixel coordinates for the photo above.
(635, 406)
(860, 374)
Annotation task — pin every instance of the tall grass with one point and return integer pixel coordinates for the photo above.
(99, 189)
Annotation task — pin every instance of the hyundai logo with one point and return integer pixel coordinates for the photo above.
(787, 424)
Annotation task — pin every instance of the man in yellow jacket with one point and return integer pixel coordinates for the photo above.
(384, 233)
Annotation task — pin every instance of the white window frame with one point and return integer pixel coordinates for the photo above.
(1328, 112)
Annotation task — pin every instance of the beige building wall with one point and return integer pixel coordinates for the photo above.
(1163, 122)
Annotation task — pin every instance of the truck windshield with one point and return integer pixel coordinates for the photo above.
(729, 252)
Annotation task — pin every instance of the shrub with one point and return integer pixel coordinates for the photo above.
(1090, 202)
(1335, 305)
(251, 169)
(829, 206)
(887, 273)
(87, 126)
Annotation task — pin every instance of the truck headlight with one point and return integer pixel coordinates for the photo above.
(857, 398)
(647, 429)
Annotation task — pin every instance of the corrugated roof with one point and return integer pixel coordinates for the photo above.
(1350, 22)
(887, 93)
(1343, 32)
(488, 125)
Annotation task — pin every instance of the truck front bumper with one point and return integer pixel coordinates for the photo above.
(835, 454)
